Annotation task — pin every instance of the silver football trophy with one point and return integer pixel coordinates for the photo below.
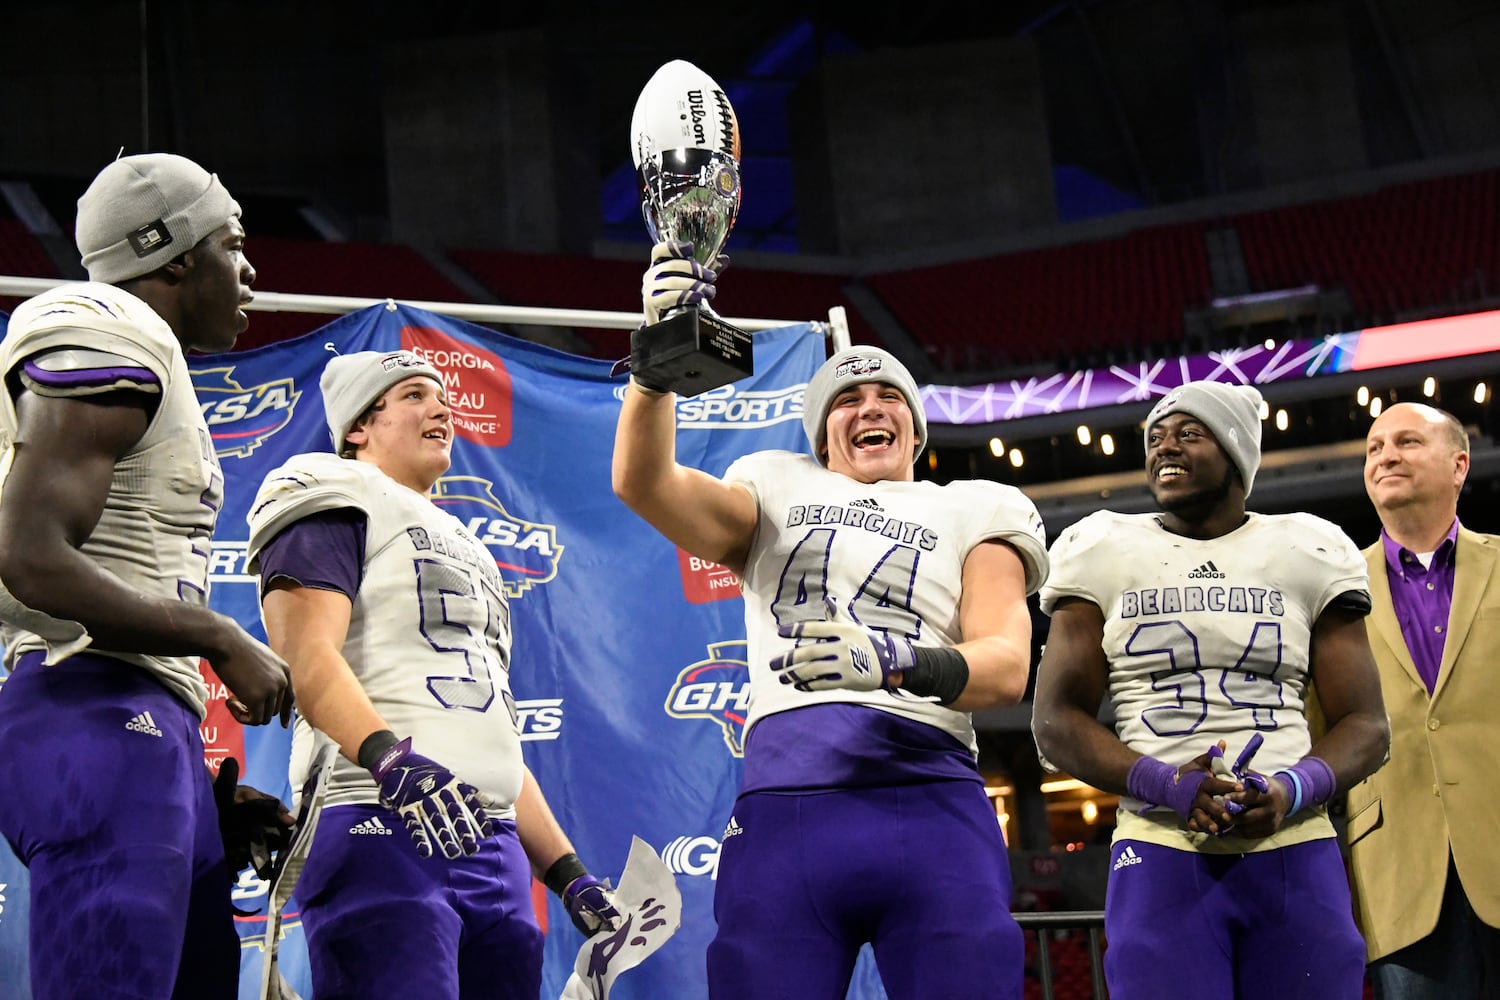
(686, 146)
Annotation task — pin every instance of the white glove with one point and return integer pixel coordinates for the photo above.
(674, 280)
(840, 654)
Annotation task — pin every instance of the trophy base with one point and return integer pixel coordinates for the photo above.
(690, 352)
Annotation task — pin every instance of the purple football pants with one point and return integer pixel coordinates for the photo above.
(1272, 924)
(918, 871)
(383, 922)
(105, 798)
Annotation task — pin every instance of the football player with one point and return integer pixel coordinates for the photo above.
(394, 620)
(110, 496)
(1205, 627)
(879, 612)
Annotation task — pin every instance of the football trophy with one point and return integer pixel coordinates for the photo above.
(685, 142)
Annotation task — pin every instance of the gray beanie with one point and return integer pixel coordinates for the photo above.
(856, 366)
(142, 211)
(1231, 412)
(352, 383)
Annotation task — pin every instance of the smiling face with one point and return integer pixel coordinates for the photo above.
(1415, 456)
(871, 434)
(408, 433)
(1189, 475)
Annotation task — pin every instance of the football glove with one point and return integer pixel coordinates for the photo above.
(840, 654)
(674, 281)
(591, 905)
(1240, 771)
(253, 825)
(434, 805)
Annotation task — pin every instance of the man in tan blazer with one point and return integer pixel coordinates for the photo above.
(1424, 830)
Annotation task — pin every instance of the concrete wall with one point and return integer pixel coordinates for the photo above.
(903, 148)
(1299, 79)
(484, 150)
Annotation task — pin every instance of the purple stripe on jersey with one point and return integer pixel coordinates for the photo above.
(85, 377)
(325, 551)
(849, 746)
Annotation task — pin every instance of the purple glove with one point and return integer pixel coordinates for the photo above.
(674, 281)
(1240, 772)
(1159, 784)
(591, 905)
(434, 804)
(840, 654)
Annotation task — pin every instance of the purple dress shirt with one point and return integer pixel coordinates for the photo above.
(1421, 597)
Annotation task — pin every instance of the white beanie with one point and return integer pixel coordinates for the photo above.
(1231, 412)
(143, 211)
(850, 367)
(352, 383)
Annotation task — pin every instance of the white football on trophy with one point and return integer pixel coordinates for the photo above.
(681, 107)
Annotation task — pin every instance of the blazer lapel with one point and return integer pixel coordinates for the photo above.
(1384, 614)
(1476, 561)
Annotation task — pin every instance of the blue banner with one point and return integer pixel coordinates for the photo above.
(629, 657)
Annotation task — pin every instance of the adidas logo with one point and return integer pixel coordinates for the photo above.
(732, 830)
(1127, 858)
(869, 504)
(143, 723)
(370, 827)
(1208, 571)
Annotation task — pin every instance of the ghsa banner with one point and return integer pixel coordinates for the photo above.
(628, 665)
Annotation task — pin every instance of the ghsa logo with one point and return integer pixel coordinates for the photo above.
(525, 553)
(717, 689)
(242, 418)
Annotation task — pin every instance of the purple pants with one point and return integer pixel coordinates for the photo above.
(382, 922)
(105, 798)
(1272, 924)
(917, 871)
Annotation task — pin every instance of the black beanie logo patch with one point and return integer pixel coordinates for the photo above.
(150, 238)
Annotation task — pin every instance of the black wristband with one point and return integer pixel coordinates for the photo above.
(563, 873)
(376, 744)
(939, 671)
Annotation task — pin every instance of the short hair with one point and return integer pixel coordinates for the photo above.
(1457, 436)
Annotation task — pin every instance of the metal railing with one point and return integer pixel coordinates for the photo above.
(1046, 924)
(835, 327)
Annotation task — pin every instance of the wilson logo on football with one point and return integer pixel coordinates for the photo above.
(525, 553)
(717, 689)
(242, 418)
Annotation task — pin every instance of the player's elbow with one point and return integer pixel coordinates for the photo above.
(996, 687)
(25, 574)
(1375, 728)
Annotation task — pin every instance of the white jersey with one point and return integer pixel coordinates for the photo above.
(165, 493)
(429, 634)
(889, 555)
(1207, 639)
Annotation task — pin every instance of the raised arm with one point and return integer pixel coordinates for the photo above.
(704, 515)
(46, 516)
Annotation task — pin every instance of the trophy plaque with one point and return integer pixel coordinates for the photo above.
(686, 147)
